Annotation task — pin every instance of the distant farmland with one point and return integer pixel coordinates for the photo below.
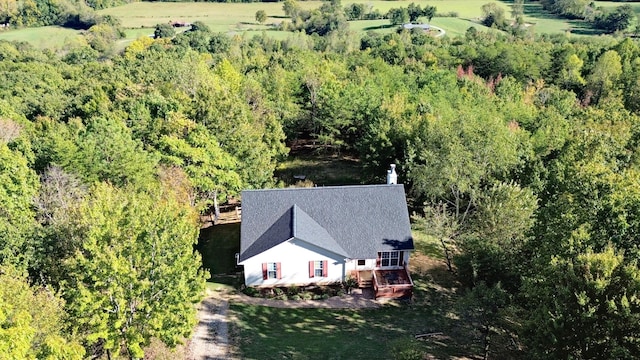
(140, 18)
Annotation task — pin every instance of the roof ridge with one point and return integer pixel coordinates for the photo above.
(322, 187)
(294, 224)
(334, 246)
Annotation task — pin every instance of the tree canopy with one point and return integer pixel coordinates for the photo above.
(519, 154)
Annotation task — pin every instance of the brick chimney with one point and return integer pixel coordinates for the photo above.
(392, 177)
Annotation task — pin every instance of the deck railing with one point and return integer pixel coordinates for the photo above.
(393, 290)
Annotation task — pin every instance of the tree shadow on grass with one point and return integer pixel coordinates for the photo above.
(582, 27)
(363, 333)
(379, 27)
(536, 11)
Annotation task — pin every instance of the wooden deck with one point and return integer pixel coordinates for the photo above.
(395, 283)
(392, 283)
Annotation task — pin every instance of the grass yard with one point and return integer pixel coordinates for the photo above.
(270, 333)
(218, 245)
(322, 170)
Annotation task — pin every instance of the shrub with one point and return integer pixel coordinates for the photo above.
(293, 290)
(448, 14)
(349, 283)
(251, 291)
(164, 31)
(406, 349)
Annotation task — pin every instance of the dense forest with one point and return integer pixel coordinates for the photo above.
(520, 155)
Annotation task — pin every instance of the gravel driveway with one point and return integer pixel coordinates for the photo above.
(210, 340)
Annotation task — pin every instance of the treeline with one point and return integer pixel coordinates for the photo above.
(608, 19)
(520, 156)
(68, 13)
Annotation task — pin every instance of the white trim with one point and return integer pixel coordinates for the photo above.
(392, 256)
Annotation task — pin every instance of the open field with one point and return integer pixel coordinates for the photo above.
(46, 37)
(147, 14)
(140, 18)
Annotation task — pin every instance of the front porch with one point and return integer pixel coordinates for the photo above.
(386, 283)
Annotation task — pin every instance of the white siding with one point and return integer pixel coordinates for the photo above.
(353, 264)
(294, 256)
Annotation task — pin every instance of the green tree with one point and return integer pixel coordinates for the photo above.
(429, 12)
(211, 170)
(18, 187)
(517, 9)
(570, 75)
(261, 16)
(398, 16)
(452, 156)
(164, 31)
(8, 10)
(485, 306)
(439, 223)
(32, 321)
(586, 307)
(102, 37)
(603, 79)
(355, 11)
(494, 244)
(107, 152)
(256, 140)
(616, 20)
(415, 12)
(135, 275)
(493, 15)
(291, 9)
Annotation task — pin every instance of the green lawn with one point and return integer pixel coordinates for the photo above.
(321, 169)
(218, 245)
(270, 333)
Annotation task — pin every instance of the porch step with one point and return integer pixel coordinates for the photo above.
(365, 283)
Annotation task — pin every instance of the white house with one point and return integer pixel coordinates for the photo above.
(321, 235)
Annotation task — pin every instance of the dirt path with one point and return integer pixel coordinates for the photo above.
(210, 340)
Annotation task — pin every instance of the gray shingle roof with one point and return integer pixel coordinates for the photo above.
(353, 221)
